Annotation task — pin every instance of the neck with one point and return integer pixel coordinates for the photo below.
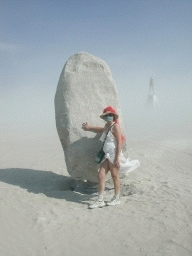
(109, 123)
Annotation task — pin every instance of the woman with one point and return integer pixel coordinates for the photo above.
(113, 159)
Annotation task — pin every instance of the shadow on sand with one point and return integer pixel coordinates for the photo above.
(45, 182)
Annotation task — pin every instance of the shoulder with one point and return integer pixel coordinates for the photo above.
(115, 127)
(105, 128)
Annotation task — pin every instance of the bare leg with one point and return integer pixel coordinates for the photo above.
(104, 168)
(115, 176)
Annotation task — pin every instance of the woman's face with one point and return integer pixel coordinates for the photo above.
(109, 118)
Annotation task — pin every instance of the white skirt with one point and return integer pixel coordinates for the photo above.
(126, 164)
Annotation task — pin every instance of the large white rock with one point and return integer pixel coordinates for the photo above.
(84, 89)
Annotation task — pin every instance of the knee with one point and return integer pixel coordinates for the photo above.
(101, 176)
(115, 177)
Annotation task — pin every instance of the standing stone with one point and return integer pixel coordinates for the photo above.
(84, 89)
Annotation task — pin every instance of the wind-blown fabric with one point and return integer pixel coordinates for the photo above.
(126, 164)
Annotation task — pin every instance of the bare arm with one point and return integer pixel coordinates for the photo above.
(87, 127)
(117, 134)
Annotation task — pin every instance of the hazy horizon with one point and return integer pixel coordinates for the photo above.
(137, 39)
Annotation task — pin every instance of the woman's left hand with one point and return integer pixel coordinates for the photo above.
(117, 163)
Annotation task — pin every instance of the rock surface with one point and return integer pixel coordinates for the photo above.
(84, 89)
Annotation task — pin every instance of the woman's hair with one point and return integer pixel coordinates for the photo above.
(114, 117)
(122, 136)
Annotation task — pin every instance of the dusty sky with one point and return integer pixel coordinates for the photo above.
(137, 39)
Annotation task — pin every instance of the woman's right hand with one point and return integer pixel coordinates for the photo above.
(85, 126)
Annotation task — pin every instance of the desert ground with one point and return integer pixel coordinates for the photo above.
(41, 215)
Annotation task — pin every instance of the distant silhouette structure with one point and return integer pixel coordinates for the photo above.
(151, 88)
(151, 98)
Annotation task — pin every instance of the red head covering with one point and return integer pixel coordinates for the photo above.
(111, 110)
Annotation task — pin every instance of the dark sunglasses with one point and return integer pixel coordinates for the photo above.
(109, 114)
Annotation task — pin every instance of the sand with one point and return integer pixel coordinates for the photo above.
(41, 215)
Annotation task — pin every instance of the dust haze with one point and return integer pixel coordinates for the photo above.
(172, 116)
